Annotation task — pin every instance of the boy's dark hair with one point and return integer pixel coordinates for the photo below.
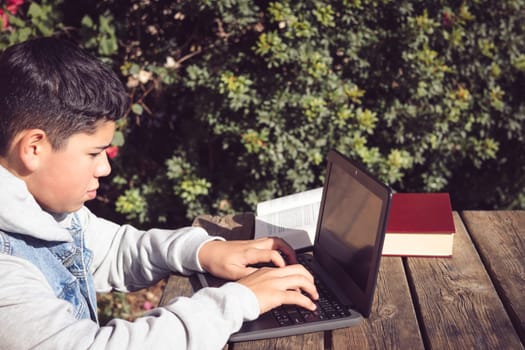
(53, 85)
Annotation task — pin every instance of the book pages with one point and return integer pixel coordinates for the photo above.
(293, 218)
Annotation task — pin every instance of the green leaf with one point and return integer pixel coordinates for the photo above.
(35, 10)
(118, 139)
(87, 22)
(137, 109)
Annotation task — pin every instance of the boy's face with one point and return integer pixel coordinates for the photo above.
(69, 177)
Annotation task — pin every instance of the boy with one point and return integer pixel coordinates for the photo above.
(58, 107)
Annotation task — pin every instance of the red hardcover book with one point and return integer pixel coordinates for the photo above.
(420, 224)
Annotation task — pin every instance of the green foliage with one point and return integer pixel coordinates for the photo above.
(39, 19)
(186, 185)
(239, 101)
(132, 204)
(100, 35)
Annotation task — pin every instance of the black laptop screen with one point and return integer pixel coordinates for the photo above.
(350, 224)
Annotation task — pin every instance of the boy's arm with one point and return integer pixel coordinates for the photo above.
(128, 259)
(33, 317)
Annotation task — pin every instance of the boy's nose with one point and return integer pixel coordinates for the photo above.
(103, 168)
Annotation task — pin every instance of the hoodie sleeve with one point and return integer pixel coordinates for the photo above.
(33, 317)
(126, 259)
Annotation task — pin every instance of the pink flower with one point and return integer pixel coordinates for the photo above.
(147, 305)
(5, 21)
(112, 152)
(11, 6)
(447, 18)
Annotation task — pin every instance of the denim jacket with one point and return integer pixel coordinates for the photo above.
(64, 264)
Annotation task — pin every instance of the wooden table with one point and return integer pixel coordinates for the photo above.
(474, 300)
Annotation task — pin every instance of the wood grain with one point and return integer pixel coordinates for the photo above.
(473, 300)
(234, 226)
(392, 323)
(175, 287)
(311, 341)
(500, 239)
(456, 301)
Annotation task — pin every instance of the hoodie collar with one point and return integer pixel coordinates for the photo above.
(20, 213)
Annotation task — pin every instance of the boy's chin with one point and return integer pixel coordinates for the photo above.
(64, 210)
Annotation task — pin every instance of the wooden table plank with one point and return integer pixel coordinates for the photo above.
(231, 227)
(177, 286)
(392, 323)
(500, 239)
(456, 301)
(312, 341)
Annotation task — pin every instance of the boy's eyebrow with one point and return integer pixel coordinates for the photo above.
(102, 147)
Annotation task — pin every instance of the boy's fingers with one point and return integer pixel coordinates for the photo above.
(285, 250)
(291, 284)
(266, 256)
(295, 278)
(297, 270)
(278, 244)
(297, 298)
(302, 283)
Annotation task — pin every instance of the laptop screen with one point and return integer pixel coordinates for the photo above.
(351, 227)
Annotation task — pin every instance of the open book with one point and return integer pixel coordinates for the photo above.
(292, 217)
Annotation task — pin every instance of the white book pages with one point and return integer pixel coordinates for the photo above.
(293, 218)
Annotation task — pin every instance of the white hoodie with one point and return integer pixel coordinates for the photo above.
(124, 258)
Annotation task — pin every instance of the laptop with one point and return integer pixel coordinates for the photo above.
(344, 259)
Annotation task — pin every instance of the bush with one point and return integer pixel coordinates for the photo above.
(238, 101)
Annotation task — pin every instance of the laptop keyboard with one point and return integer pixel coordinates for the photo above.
(328, 307)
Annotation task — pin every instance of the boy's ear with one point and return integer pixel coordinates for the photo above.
(32, 145)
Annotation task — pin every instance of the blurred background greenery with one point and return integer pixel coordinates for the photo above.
(238, 101)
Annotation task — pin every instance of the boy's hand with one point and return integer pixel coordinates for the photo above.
(232, 260)
(274, 287)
